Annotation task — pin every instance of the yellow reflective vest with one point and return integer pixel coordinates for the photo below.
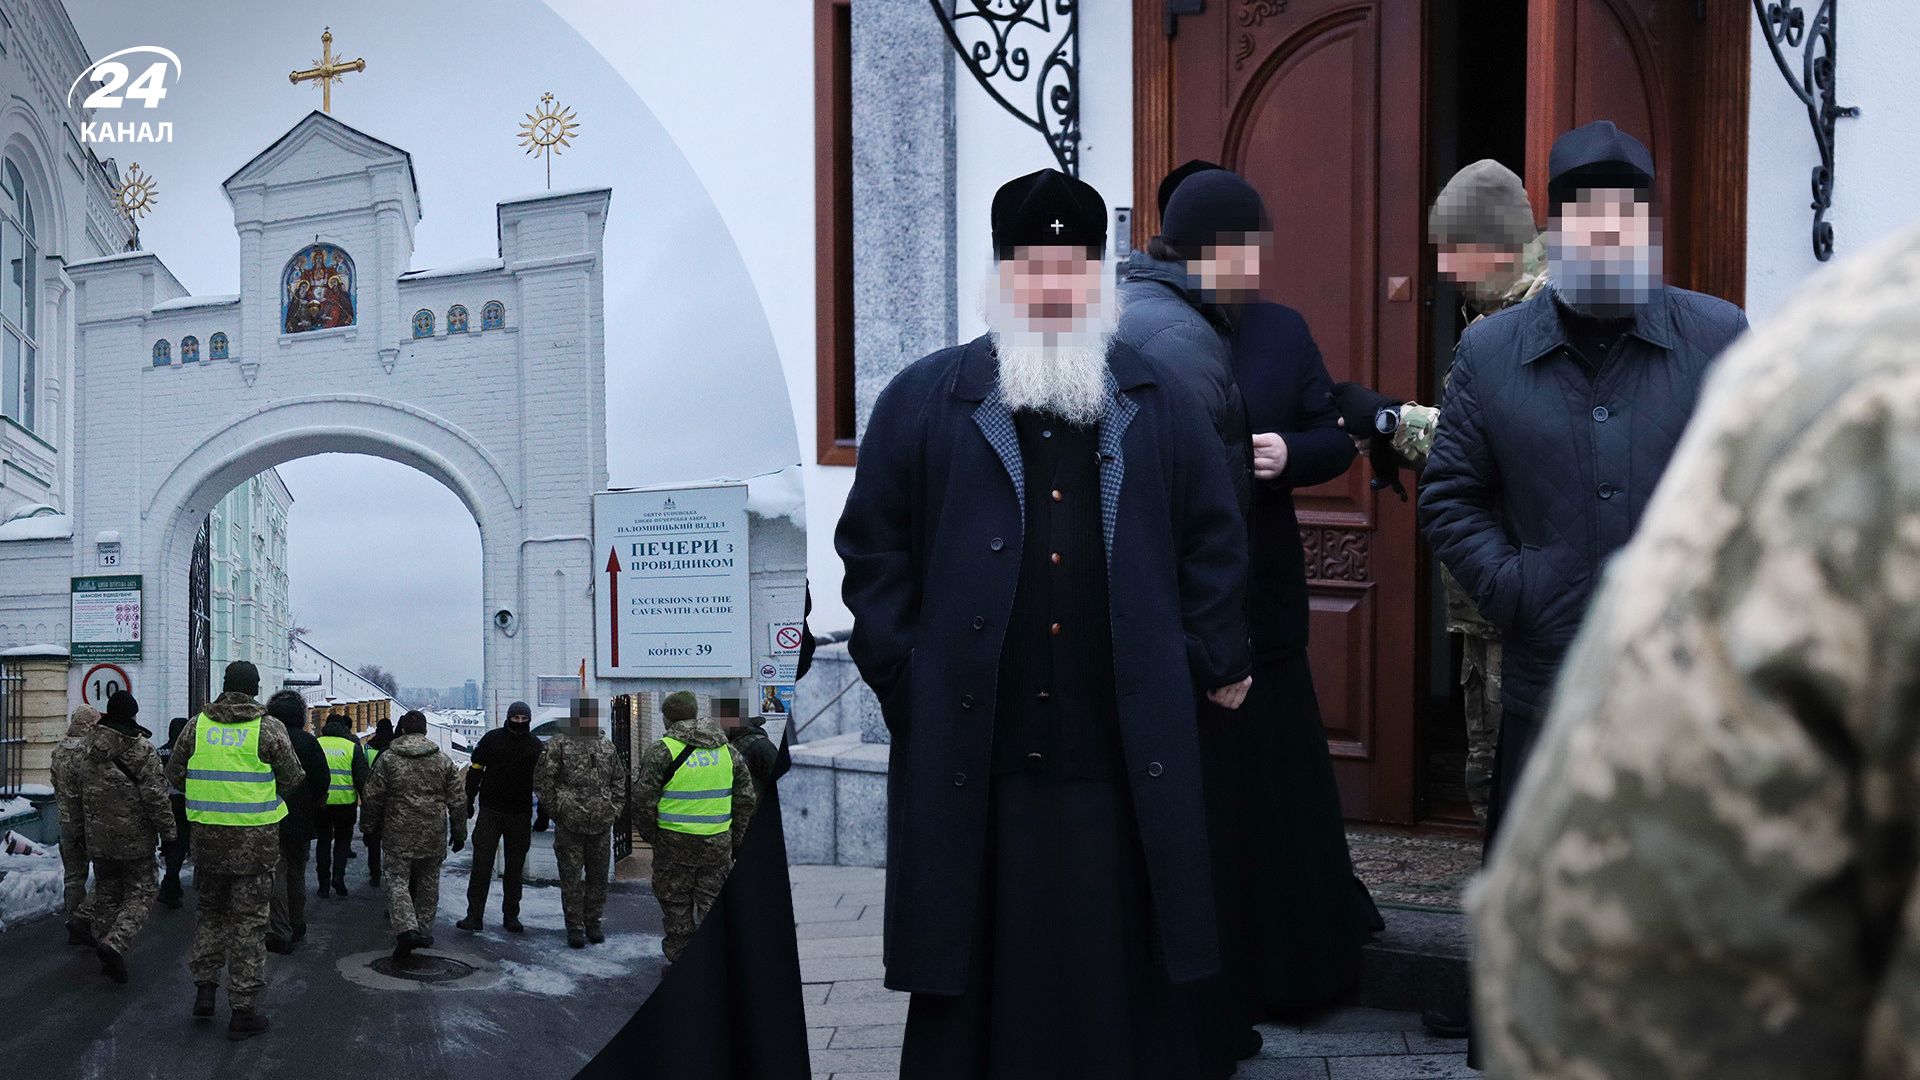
(227, 783)
(339, 770)
(698, 800)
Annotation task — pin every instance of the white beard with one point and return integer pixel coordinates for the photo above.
(1063, 374)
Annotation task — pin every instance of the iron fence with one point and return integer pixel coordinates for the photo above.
(13, 728)
(623, 745)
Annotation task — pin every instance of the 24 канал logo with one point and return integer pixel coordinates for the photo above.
(117, 86)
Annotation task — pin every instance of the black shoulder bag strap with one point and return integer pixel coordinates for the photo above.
(677, 762)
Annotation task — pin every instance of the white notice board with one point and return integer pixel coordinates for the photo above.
(670, 583)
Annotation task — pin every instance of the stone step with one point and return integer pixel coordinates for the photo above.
(1419, 961)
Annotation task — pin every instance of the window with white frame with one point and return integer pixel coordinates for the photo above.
(19, 299)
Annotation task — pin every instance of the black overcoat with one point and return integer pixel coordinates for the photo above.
(931, 539)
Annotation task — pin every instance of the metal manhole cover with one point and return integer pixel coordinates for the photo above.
(423, 967)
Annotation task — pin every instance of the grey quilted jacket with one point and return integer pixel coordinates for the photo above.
(1161, 316)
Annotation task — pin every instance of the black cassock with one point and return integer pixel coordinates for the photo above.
(1064, 977)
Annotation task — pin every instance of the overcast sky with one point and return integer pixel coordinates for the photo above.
(384, 563)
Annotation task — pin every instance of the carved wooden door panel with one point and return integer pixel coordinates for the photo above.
(1319, 103)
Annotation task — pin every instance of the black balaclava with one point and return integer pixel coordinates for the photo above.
(519, 717)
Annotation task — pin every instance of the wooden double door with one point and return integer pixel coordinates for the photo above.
(1328, 106)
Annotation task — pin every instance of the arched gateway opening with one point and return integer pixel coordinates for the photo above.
(290, 432)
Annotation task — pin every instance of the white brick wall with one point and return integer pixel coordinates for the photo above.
(511, 420)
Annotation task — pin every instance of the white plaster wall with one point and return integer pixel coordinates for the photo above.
(994, 147)
(1877, 155)
(749, 137)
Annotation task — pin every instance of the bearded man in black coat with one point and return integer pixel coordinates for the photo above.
(1046, 563)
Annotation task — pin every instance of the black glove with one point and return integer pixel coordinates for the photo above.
(1359, 409)
(470, 808)
(1358, 405)
(540, 822)
(457, 843)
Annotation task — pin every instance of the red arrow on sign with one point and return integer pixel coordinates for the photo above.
(613, 602)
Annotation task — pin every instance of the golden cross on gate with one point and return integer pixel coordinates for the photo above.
(326, 71)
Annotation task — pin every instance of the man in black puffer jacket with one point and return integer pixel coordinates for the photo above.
(1560, 415)
(287, 917)
(501, 778)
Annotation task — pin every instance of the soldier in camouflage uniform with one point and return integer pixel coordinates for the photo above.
(1482, 224)
(233, 864)
(1710, 869)
(125, 811)
(580, 781)
(415, 803)
(689, 867)
(67, 758)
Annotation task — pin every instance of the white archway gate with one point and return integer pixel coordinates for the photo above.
(489, 377)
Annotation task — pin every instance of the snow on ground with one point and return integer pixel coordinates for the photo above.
(560, 970)
(31, 880)
(16, 805)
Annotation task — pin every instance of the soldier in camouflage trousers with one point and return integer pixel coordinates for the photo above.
(1482, 224)
(693, 797)
(67, 758)
(125, 811)
(1710, 868)
(416, 804)
(233, 863)
(581, 782)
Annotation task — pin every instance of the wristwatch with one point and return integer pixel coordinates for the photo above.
(1387, 420)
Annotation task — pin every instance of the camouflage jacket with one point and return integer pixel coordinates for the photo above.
(239, 849)
(1419, 424)
(67, 757)
(580, 781)
(123, 796)
(650, 777)
(415, 800)
(1710, 868)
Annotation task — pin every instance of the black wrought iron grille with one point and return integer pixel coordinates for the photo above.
(1026, 54)
(13, 728)
(1786, 26)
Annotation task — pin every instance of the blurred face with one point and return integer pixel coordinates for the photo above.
(1230, 270)
(586, 716)
(1050, 290)
(1476, 267)
(1603, 251)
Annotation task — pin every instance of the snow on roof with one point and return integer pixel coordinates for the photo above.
(38, 527)
(778, 495)
(36, 650)
(197, 301)
(560, 193)
(115, 257)
(474, 266)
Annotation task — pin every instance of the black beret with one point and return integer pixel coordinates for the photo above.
(1210, 204)
(1048, 208)
(1165, 194)
(1596, 155)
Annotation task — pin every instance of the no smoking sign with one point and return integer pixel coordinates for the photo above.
(786, 638)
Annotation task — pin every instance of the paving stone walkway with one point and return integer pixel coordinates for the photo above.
(854, 1024)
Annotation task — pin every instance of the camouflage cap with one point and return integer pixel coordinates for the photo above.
(680, 705)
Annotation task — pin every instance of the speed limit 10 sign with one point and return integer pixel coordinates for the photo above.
(101, 682)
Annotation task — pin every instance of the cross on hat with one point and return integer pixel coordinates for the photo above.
(1056, 226)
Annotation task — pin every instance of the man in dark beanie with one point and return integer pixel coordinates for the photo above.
(237, 768)
(1292, 916)
(173, 853)
(693, 797)
(414, 811)
(123, 810)
(287, 918)
(1559, 419)
(1037, 642)
(500, 778)
(346, 780)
